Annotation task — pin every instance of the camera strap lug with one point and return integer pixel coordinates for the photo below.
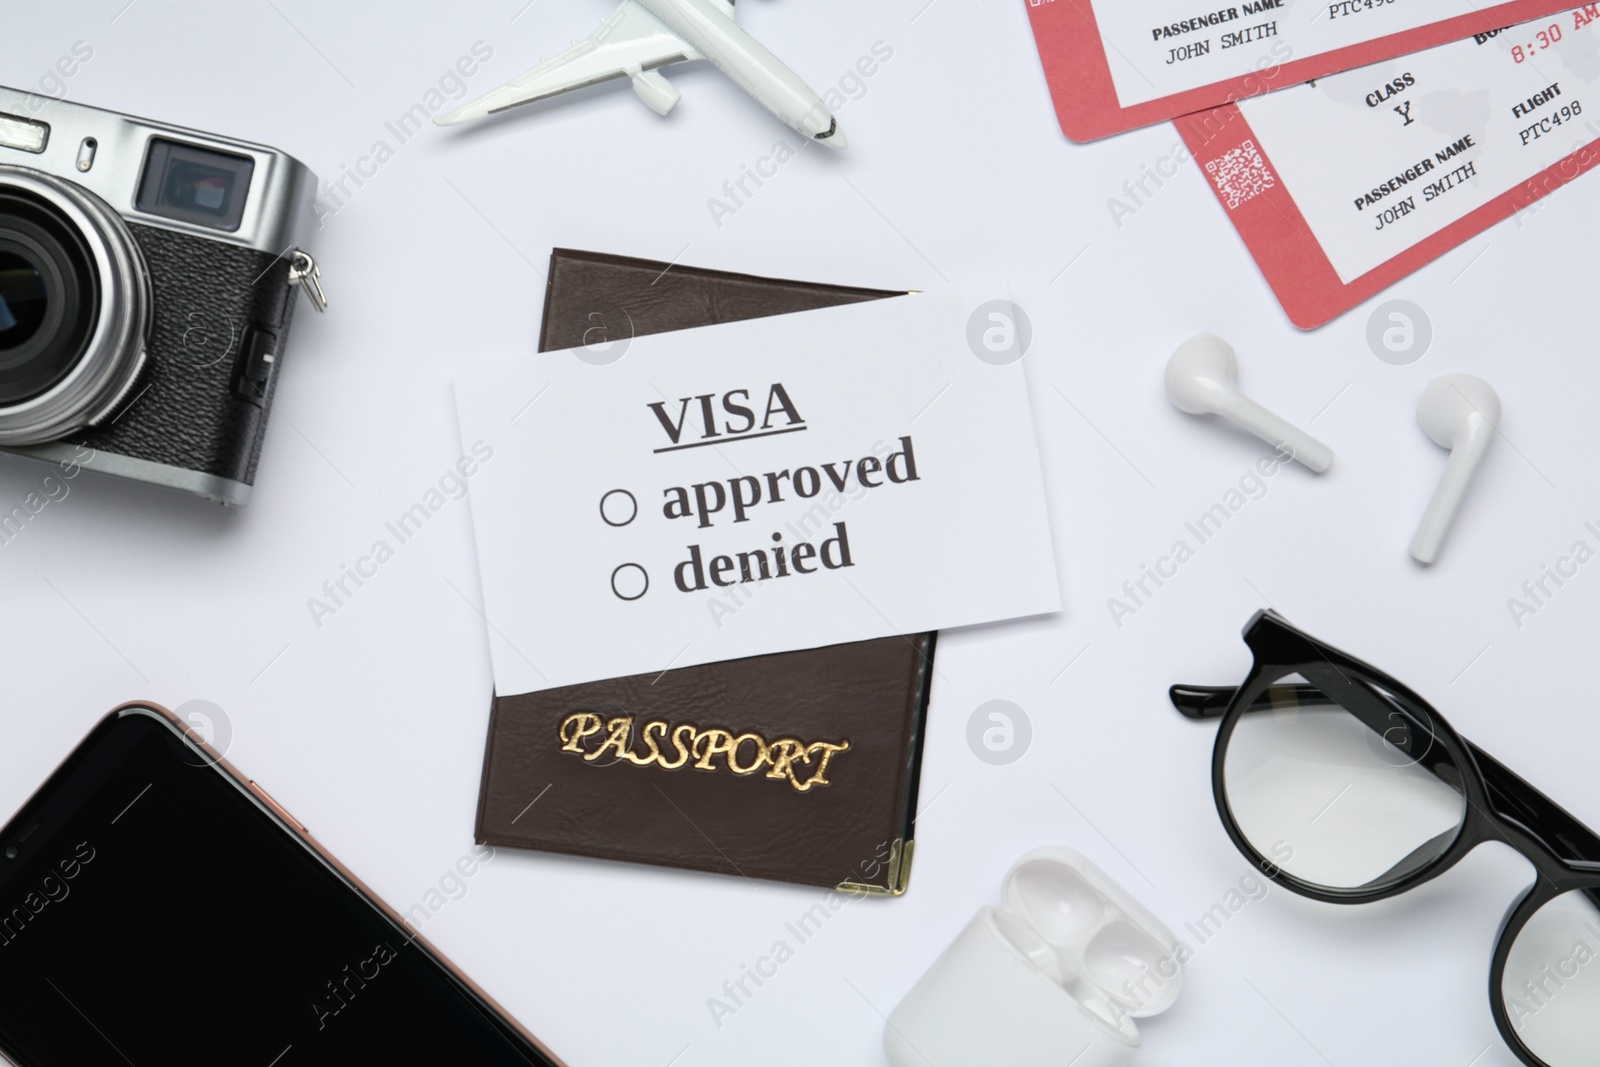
(303, 271)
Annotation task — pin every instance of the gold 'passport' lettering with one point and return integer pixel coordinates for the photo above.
(671, 748)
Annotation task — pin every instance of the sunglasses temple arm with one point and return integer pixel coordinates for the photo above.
(1212, 701)
(1202, 701)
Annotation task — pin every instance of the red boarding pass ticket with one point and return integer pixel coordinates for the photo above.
(1342, 187)
(1116, 66)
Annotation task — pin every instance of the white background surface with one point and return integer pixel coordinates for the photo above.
(371, 729)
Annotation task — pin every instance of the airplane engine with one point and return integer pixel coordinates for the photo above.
(654, 89)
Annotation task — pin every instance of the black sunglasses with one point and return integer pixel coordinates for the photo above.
(1343, 785)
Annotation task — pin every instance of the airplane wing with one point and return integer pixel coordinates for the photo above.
(631, 42)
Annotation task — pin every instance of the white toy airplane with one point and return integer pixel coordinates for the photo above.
(641, 36)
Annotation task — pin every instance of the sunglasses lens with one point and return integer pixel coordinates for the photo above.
(1360, 797)
(1551, 985)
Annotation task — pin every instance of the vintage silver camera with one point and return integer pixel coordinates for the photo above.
(147, 280)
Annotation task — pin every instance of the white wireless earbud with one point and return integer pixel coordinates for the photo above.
(1203, 378)
(1460, 413)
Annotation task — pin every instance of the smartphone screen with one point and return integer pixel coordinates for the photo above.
(151, 912)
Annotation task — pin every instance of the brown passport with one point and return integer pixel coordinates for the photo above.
(798, 767)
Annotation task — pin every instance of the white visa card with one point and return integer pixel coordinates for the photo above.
(756, 487)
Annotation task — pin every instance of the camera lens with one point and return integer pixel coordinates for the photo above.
(22, 300)
(11, 852)
(74, 307)
(45, 273)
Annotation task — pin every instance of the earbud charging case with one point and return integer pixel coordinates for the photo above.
(1056, 976)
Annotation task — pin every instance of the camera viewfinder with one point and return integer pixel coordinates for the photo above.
(196, 185)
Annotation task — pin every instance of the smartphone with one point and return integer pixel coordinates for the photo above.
(156, 907)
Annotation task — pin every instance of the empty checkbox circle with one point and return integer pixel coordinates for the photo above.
(618, 508)
(630, 581)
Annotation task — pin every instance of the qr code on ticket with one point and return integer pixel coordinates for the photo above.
(1240, 174)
